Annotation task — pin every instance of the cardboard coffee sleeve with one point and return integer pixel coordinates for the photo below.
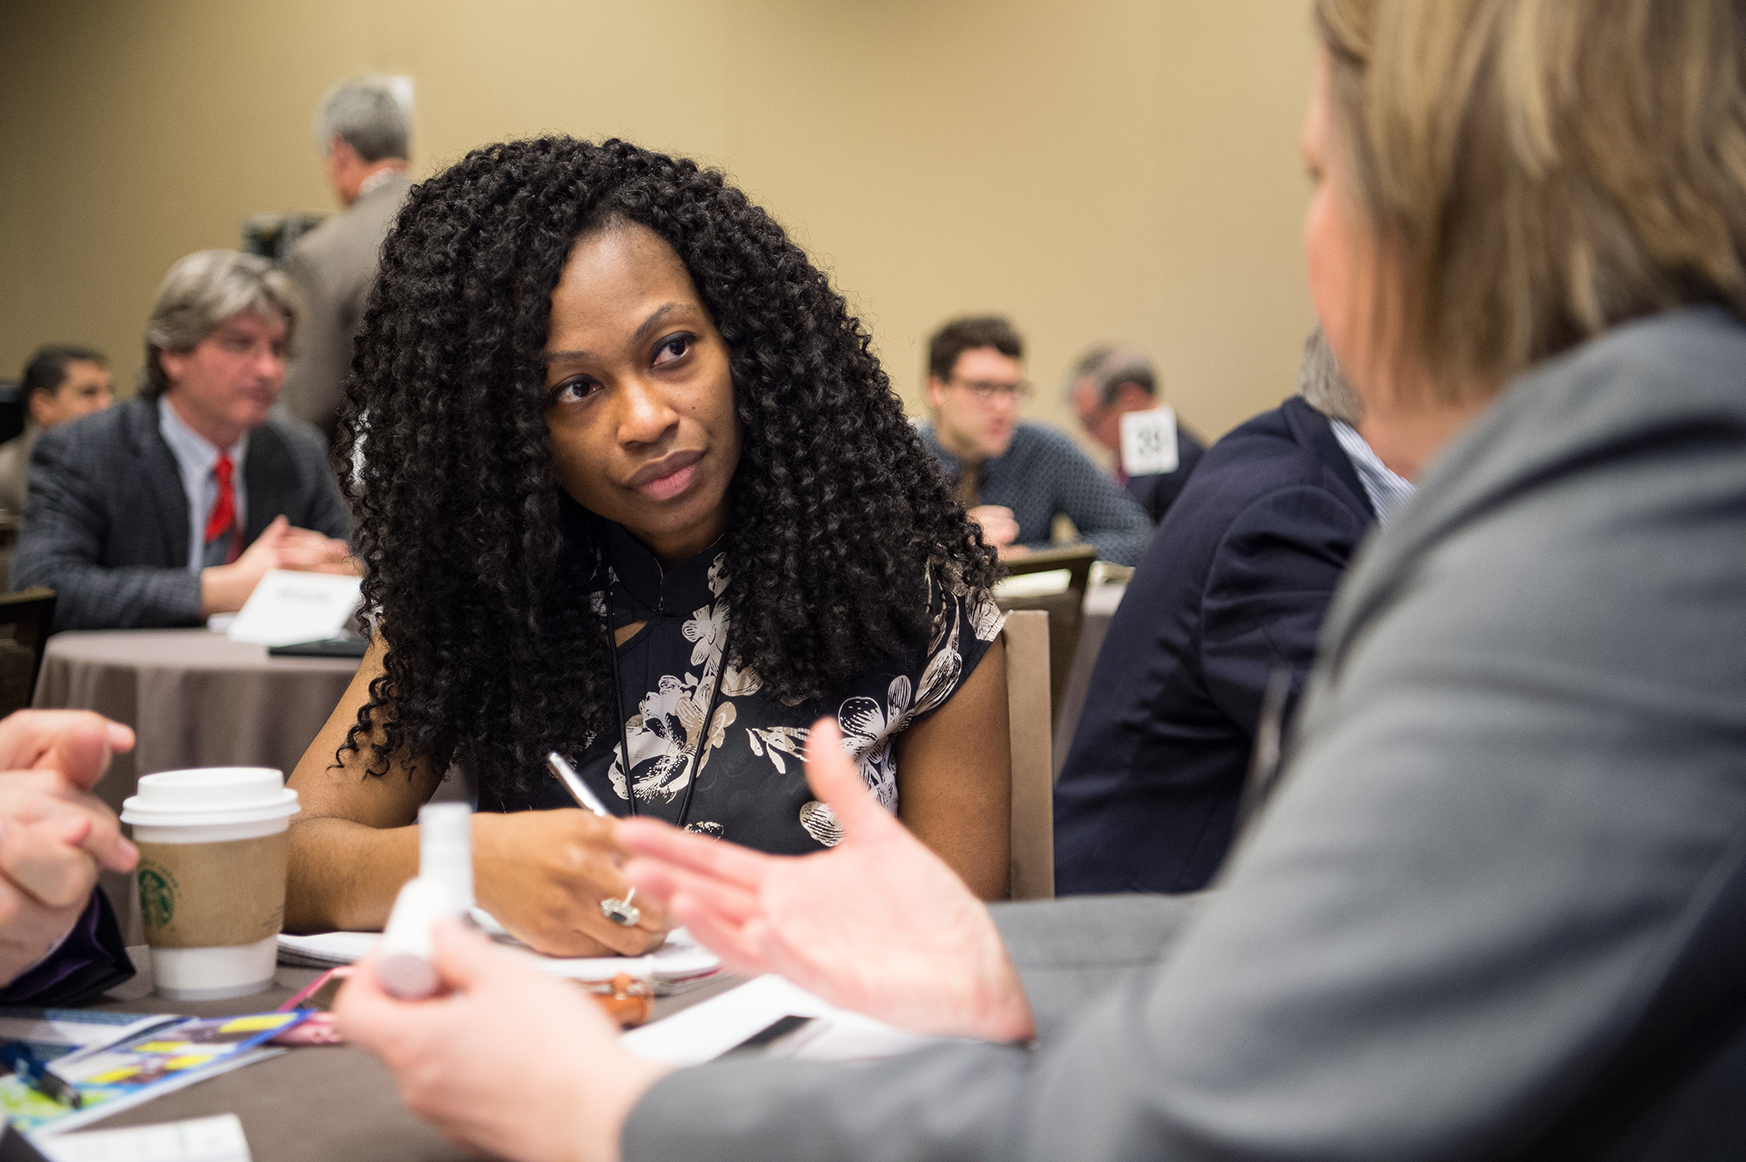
(211, 895)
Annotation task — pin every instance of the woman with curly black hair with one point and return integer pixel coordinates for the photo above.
(631, 486)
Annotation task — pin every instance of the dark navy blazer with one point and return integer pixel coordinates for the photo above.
(1234, 586)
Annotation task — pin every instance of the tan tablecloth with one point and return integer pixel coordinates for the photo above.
(195, 698)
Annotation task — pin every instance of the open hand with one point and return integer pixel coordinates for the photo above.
(511, 1062)
(878, 923)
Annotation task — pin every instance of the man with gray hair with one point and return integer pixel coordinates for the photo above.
(1112, 382)
(1230, 594)
(362, 132)
(170, 507)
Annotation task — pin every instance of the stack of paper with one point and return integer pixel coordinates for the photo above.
(679, 959)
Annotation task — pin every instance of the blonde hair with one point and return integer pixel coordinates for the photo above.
(1546, 169)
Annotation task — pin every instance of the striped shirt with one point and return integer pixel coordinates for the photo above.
(1387, 491)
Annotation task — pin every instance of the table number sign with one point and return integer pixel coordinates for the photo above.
(288, 607)
(1149, 442)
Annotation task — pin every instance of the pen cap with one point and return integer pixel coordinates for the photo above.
(404, 967)
(445, 848)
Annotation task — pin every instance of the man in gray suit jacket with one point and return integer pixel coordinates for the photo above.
(171, 506)
(362, 131)
(1493, 909)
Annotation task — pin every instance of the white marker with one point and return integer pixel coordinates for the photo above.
(405, 967)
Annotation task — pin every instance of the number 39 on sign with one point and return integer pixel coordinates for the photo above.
(1149, 442)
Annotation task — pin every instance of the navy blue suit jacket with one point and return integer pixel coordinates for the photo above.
(1234, 586)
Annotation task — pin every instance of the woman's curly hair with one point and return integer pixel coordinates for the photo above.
(478, 565)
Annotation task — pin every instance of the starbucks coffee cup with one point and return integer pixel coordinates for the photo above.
(212, 852)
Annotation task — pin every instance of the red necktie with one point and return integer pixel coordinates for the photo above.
(222, 522)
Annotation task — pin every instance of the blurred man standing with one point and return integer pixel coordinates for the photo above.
(1111, 382)
(362, 131)
(173, 505)
(1013, 477)
(61, 382)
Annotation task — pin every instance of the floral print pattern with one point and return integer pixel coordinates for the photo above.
(746, 780)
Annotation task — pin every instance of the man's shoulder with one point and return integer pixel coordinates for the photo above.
(1263, 458)
(112, 429)
(362, 224)
(1046, 440)
(1266, 451)
(300, 439)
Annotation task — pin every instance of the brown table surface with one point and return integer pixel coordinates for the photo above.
(316, 1103)
(196, 699)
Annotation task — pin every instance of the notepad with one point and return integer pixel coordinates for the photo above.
(679, 959)
(710, 1028)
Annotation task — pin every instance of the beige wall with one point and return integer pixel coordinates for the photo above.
(1122, 169)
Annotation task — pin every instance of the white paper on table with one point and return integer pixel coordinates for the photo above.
(289, 606)
(216, 1139)
(1149, 442)
(710, 1028)
(680, 958)
(1045, 583)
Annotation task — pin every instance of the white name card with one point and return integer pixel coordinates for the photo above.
(1149, 442)
(289, 607)
(217, 1139)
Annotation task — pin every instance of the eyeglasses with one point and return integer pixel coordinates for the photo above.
(986, 391)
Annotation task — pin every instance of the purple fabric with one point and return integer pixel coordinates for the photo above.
(90, 960)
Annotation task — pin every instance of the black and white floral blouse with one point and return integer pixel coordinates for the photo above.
(750, 784)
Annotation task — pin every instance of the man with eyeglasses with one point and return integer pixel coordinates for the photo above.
(171, 506)
(1013, 477)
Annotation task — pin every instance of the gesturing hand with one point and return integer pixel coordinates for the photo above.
(877, 924)
(54, 834)
(511, 1062)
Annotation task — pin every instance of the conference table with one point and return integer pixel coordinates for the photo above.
(315, 1103)
(194, 699)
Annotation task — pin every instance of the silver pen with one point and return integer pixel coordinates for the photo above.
(573, 783)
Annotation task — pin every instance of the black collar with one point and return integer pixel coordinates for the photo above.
(643, 589)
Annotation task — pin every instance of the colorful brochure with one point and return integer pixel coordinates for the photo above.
(140, 1059)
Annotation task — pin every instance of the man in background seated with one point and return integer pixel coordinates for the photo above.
(362, 132)
(171, 506)
(1015, 478)
(1232, 591)
(61, 382)
(59, 942)
(1110, 382)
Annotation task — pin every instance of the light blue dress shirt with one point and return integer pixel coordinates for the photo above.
(195, 457)
(1387, 490)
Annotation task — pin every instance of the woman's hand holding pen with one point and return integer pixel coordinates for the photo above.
(542, 875)
(878, 923)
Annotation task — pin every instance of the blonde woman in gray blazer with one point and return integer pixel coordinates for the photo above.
(1494, 907)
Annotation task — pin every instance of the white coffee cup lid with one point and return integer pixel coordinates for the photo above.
(210, 795)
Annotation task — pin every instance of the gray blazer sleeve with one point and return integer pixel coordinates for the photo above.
(1515, 805)
(62, 547)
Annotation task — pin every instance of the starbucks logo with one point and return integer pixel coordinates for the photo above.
(157, 896)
